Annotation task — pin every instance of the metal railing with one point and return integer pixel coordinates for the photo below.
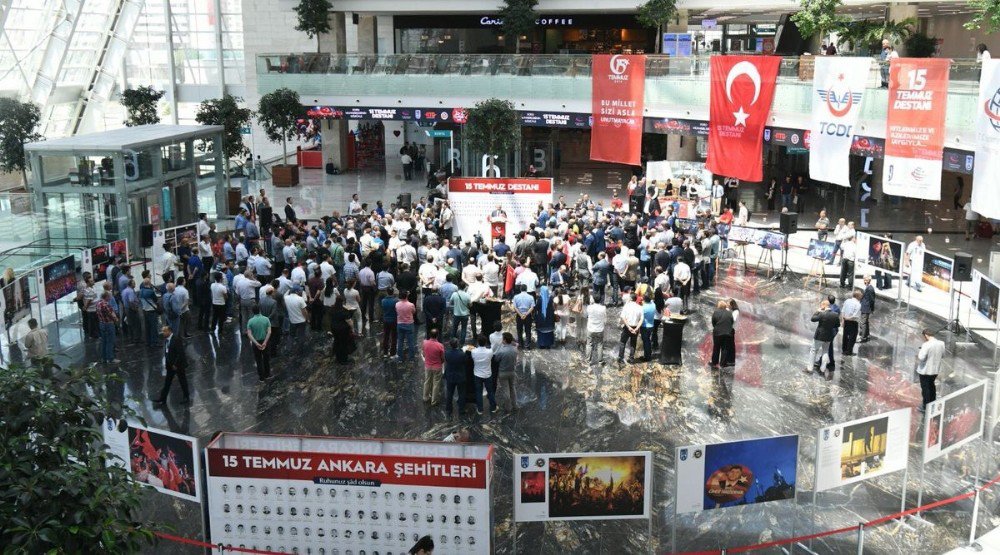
(527, 65)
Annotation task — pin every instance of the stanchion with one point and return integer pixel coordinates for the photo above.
(973, 544)
(902, 499)
(515, 537)
(861, 538)
(920, 492)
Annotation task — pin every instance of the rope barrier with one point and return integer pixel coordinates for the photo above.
(741, 549)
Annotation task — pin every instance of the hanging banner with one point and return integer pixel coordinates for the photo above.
(473, 199)
(985, 193)
(954, 420)
(914, 135)
(838, 87)
(740, 101)
(618, 84)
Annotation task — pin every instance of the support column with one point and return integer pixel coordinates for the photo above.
(335, 143)
(366, 34)
(338, 32)
(897, 13)
(682, 148)
(678, 24)
(393, 143)
(385, 35)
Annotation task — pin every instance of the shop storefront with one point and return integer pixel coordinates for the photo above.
(553, 34)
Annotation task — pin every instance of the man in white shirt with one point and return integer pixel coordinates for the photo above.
(326, 269)
(914, 260)
(219, 293)
(597, 316)
(297, 313)
(848, 251)
(203, 228)
(478, 293)
(682, 281)
(631, 320)
(354, 207)
(471, 272)
(929, 366)
(298, 275)
(718, 191)
(528, 279)
(406, 254)
(242, 255)
(850, 314)
(491, 274)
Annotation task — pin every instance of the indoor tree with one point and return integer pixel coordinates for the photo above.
(277, 113)
(226, 111)
(985, 16)
(919, 45)
(655, 14)
(18, 121)
(518, 18)
(493, 127)
(59, 493)
(314, 18)
(819, 17)
(140, 106)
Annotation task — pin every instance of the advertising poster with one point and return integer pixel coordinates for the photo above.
(119, 249)
(299, 494)
(473, 199)
(164, 460)
(987, 298)
(937, 271)
(16, 301)
(822, 250)
(839, 84)
(742, 234)
(721, 475)
(100, 258)
(59, 279)
(742, 89)
(914, 135)
(771, 240)
(884, 254)
(582, 486)
(862, 449)
(618, 85)
(954, 420)
(985, 189)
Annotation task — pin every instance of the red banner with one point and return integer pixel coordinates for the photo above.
(500, 185)
(618, 84)
(343, 469)
(914, 136)
(740, 101)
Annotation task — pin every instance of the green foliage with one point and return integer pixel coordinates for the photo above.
(985, 15)
(277, 112)
(656, 13)
(226, 111)
(868, 33)
(314, 18)
(518, 18)
(919, 45)
(819, 17)
(140, 106)
(18, 121)
(58, 493)
(895, 32)
(493, 127)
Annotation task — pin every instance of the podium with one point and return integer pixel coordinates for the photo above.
(498, 228)
(672, 339)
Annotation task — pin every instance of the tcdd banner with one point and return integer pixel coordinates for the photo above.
(838, 88)
(740, 101)
(985, 193)
(914, 136)
(618, 84)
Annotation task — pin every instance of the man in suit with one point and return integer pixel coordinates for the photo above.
(175, 362)
(289, 211)
(827, 322)
(722, 330)
(867, 308)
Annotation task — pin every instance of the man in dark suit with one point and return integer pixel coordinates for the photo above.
(175, 362)
(289, 211)
(722, 330)
(867, 308)
(827, 322)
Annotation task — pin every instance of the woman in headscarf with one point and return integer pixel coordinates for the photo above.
(343, 331)
(545, 318)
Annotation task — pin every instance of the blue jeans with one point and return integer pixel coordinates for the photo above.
(107, 331)
(152, 327)
(462, 321)
(404, 334)
(786, 200)
(490, 392)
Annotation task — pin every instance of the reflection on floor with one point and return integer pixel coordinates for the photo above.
(568, 406)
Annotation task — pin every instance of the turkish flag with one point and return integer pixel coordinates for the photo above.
(617, 87)
(740, 101)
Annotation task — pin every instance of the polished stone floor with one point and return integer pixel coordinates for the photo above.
(568, 406)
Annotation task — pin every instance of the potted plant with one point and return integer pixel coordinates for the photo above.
(277, 113)
(140, 106)
(18, 121)
(493, 128)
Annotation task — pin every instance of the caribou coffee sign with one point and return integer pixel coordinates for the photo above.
(491, 21)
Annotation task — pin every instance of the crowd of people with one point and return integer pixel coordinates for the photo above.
(400, 281)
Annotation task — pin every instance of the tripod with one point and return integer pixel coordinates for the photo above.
(784, 259)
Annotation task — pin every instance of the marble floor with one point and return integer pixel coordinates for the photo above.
(569, 406)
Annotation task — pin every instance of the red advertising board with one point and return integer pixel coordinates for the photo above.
(741, 92)
(914, 136)
(500, 185)
(618, 84)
